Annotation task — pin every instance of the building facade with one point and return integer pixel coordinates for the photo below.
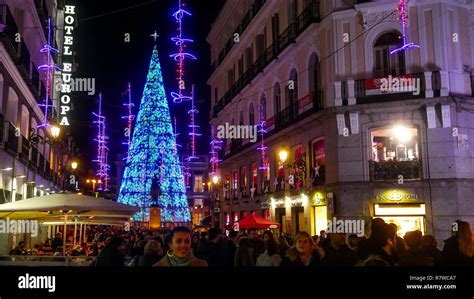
(197, 188)
(30, 167)
(322, 76)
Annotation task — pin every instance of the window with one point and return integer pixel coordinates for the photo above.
(260, 45)
(277, 98)
(216, 94)
(254, 174)
(395, 154)
(243, 181)
(298, 171)
(314, 78)
(263, 108)
(235, 180)
(241, 66)
(397, 143)
(292, 93)
(385, 63)
(318, 163)
(275, 27)
(249, 54)
(198, 184)
(251, 115)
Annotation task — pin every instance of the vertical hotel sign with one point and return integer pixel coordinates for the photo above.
(67, 60)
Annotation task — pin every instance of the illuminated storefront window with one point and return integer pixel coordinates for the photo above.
(398, 143)
(318, 163)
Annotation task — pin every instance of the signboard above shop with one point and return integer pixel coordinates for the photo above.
(396, 196)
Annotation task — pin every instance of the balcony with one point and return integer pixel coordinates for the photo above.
(391, 88)
(34, 158)
(391, 170)
(11, 143)
(41, 162)
(25, 149)
(8, 34)
(42, 10)
(257, 5)
(304, 20)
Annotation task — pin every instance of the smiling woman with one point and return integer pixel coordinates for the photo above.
(180, 254)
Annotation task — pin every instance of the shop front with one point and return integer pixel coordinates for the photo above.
(319, 213)
(403, 208)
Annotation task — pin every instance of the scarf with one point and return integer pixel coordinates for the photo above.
(179, 261)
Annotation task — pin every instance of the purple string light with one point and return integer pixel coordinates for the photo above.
(214, 153)
(47, 67)
(181, 55)
(262, 148)
(403, 18)
(130, 117)
(193, 128)
(102, 149)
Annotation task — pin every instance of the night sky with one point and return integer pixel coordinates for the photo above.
(103, 54)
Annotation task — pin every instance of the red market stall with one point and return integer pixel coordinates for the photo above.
(253, 221)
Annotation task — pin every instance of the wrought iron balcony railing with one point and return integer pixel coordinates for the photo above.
(391, 170)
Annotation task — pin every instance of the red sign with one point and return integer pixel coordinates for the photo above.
(304, 102)
(390, 84)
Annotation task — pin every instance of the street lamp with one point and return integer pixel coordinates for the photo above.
(55, 130)
(283, 155)
(215, 179)
(74, 165)
(93, 184)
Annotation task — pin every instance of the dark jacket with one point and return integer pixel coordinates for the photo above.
(227, 253)
(110, 257)
(257, 247)
(149, 260)
(435, 253)
(287, 262)
(244, 254)
(379, 257)
(452, 256)
(416, 258)
(344, 257)
(56, 242)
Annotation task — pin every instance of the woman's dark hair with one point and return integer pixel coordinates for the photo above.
(267, 232)
(180, 229)
(272, 247)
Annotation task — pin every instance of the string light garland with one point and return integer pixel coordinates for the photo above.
(129, 117)
(180, 56)
(193, 127)
(152, 155)
(102, 149)
(48, 67)
(216, 146)
(402, 9)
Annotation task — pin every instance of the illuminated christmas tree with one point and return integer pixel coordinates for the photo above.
(153, 169)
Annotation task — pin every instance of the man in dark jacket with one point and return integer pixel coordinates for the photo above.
(57, 241)
(257, 246)
(228, 249)
(371, 245)
(111, 256)
(414, 256)
(338, 253)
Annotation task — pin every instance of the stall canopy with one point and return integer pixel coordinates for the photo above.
(253, 221)
(77, 207)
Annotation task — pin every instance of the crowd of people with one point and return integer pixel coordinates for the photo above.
(182, 247)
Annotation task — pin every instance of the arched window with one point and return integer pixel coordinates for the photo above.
(25, 121)
(251, 115)
(12, 107)
(263, 108)
(292, 93)
(385, 63)
(277, 98)
(314, 77)
(1, 92)
(241, 118)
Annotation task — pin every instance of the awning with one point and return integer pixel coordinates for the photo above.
(82, 208)
(252, 221)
